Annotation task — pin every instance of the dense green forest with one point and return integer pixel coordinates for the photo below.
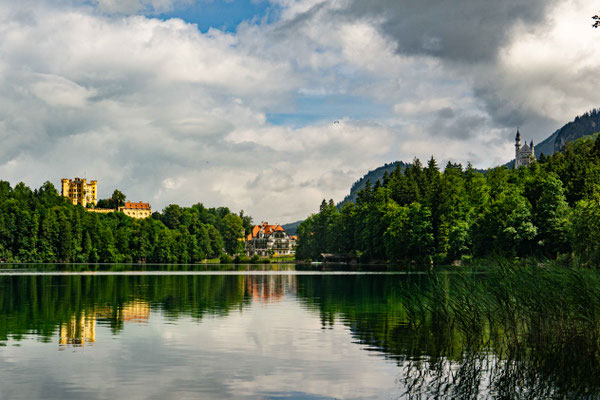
(371, 176)
(549, 209)
(41, 226)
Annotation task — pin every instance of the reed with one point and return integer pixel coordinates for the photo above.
(531, 329)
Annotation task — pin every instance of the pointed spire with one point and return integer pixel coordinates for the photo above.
(531, 143)
(518, 137)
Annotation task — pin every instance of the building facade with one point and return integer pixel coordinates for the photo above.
(523, 155)
(266, 240)
(136, 210)
(79, 191)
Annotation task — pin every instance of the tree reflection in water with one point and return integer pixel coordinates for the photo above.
(508, 333)
(43, 305)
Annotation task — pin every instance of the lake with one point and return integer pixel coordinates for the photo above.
(274, 332)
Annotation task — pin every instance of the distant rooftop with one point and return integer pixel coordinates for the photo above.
(137, 206)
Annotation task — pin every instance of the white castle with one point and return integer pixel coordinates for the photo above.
(523, 155)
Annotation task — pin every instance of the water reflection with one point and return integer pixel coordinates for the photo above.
(507, 335)
(40, 304)
(81, 329)
(447, 336)
(269, 288)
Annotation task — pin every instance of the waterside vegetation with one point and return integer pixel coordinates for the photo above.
(508, 332)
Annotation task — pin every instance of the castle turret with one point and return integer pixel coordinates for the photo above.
(517, 148)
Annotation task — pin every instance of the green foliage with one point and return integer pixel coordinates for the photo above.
(420, 214)
(585, 230)
(233, 234)
(226, 259)
(40, 226)
(380, 174)
(114, 202)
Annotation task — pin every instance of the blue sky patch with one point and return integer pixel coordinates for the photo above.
(223, 14)
(315, 109)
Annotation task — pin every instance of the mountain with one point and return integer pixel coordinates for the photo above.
(291, 227)
(584, 125)
(546, 147)
(371, 176)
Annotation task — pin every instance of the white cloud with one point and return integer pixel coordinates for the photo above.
(424, 106)
(554, 71)
(57, 91)
(167, 113)
(135, 6)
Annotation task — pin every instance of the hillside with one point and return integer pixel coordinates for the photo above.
(546, 147)
(584, 125)
(433, 217)
(291, 227)
(371, 176)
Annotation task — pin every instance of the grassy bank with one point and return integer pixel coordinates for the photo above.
(241, 259)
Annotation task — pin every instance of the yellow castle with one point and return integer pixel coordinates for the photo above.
(79, 191)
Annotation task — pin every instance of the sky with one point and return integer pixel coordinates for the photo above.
(270, 106)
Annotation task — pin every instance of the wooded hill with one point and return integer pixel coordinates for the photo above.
(372, 177)
(41, 226)
(550, 209)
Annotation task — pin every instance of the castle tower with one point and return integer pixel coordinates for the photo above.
(532, 150)
(79, 191)
(517, 148)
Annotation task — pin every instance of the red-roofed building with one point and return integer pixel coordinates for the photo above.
(266, 240)
(136, 210)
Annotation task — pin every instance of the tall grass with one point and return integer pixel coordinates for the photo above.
(519, 331)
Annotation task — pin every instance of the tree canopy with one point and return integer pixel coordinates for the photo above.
(41, 226)
(422, 214)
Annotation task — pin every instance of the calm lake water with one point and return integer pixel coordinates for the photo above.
(240, 332)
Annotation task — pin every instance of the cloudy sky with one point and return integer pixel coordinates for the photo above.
(235, 103)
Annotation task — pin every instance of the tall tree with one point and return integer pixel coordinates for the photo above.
(233, 234)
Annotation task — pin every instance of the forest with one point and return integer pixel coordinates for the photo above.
(416, 214)
(41, 226)
(548, 210)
